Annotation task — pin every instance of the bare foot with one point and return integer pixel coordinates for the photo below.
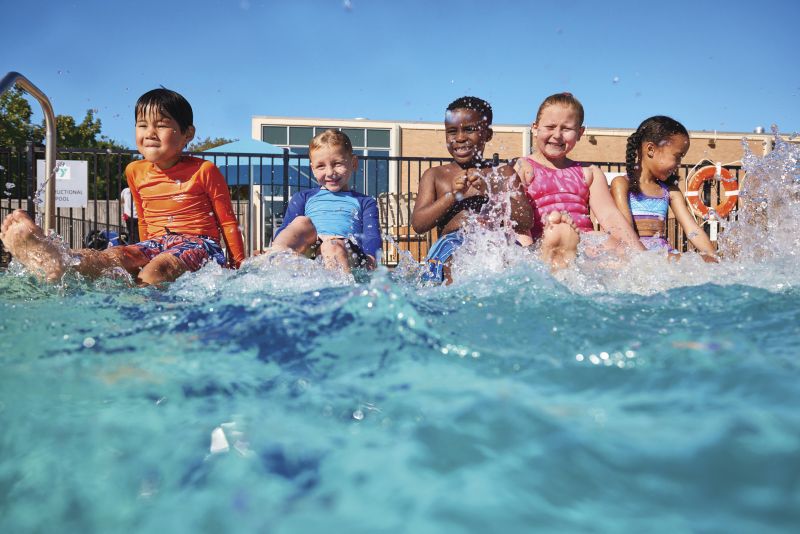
(27, 244)
(559, 240)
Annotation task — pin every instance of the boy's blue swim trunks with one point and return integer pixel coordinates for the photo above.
(439, 253)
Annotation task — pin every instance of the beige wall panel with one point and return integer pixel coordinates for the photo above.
(423, 143)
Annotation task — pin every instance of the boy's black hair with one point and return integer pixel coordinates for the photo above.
(474, 103)
(655, 129)
(169, 102)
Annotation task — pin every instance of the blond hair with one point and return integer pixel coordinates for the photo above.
(562, 99)
(331, 138)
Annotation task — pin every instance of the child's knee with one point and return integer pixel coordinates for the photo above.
(162, 268)
(302, 223)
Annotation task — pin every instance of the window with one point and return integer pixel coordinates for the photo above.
(300, 135)
(295, 137)
(377, 178)
(378, 138)
(356, 136)
(372, 176)
(274, 134)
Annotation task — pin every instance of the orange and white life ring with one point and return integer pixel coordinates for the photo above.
(729, 184)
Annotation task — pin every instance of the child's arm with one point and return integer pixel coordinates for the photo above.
(619, 192)
(609, 217)
(693, 231)
(428, 209)
(218, 193)
(372, 242)
(137, 201)
(295, 208)
(524, 170)
(521, 212)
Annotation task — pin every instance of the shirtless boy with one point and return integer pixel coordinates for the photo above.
(449, 193)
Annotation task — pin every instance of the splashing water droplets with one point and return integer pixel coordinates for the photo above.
(768, 217)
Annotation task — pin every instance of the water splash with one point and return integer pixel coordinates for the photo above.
(767, 223)
(489, 240)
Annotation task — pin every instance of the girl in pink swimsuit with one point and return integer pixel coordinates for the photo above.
(561, 191)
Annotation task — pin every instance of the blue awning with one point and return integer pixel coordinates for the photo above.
(250, 161)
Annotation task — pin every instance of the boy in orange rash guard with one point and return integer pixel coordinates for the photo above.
(182, 202)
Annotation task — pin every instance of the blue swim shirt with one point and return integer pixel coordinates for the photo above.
(344, 213)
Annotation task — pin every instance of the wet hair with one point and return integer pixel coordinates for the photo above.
(475, 104)
(562, 99)
(656, 130)
(331, 138)
(167, 102)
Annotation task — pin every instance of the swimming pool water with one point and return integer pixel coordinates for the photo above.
(654, 397)
(503, 406)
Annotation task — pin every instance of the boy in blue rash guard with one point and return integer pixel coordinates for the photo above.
(338, 224)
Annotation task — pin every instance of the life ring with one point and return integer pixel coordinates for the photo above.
(729, 183)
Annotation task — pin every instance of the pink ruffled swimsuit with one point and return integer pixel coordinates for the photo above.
(558, 190)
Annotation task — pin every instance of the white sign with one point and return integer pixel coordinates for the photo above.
(72, 179)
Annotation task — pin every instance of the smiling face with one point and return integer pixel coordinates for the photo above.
(159, 138)
(333, 166)
(663, 159)
(466, 134)
(557, 131)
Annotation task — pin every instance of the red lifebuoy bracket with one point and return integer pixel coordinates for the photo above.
(729, 184)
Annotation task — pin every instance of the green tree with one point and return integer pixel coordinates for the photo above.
(15, 119)
(69, 134)
(204, 144)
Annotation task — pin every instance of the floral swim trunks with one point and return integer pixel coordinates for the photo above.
(193, 250)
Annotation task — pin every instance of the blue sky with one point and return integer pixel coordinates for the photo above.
(724, 65)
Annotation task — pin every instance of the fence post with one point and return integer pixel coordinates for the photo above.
(31, 177)
(285, 179)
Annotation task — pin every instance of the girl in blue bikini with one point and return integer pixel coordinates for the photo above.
(644, 196)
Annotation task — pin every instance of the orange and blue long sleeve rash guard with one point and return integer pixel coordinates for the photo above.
(191, 197)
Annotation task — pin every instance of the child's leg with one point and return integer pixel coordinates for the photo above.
(299, 236)
(335, 254)
(92, 263)
(559, 240)
(165, 267)
(27, 243)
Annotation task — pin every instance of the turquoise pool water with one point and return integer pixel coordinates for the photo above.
(654, 397)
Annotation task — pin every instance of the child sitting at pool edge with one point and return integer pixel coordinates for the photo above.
(562, 191)
(182, 201)
(332, 221)
(449, 193)
(644, 197)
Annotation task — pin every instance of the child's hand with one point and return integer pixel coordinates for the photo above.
(477, 181)
(460, 184)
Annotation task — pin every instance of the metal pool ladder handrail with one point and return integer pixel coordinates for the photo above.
(6, 83)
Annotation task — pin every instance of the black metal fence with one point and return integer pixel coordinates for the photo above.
(260, 186)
